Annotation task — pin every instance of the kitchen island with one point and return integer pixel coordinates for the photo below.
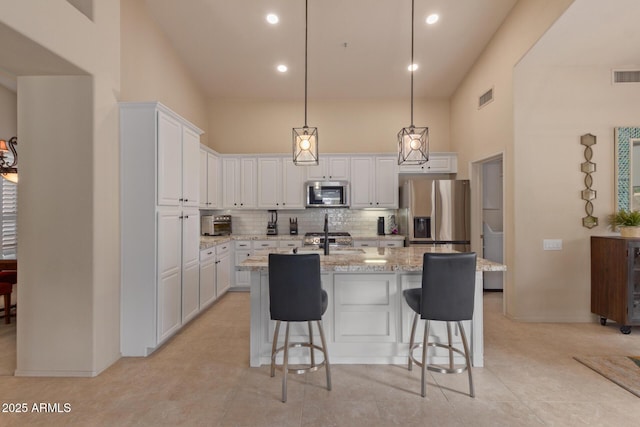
(367, 320)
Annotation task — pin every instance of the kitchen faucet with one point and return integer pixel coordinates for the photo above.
(326, 234)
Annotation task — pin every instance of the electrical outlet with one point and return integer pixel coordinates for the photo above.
(552, 244)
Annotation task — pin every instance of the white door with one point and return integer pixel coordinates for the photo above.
(362, 182)
(230, 183)
(223, 274)
(269, 182)
(213, 180)
(339, 169)
(248, 182)
(386, 182)
(190, 264)
(207, 282)
(169, 160)
(292, 185)
(169, 272)
(203, 200)
(190, 167)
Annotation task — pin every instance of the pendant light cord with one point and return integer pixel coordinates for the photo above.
(412, 65)
(306, 31)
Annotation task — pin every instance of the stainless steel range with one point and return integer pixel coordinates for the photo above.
(336, 239)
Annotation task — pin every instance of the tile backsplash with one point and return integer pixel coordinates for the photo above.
(355, 221)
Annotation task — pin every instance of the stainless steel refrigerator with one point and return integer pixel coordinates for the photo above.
(436, 212)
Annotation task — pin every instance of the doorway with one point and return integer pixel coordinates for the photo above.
(487, 216)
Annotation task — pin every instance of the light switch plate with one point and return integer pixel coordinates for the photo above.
(552, 244)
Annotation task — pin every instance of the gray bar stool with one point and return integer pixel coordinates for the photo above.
(447, 294)
(296, 295)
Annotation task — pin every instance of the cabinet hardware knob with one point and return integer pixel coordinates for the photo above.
(209, 253)
(180, 200)
(180, 217)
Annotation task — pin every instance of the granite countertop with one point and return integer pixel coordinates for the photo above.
(209, 241)
(365, 260)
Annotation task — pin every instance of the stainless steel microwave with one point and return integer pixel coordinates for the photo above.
(327, 194)
(215, 225)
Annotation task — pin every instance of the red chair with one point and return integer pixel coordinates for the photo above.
(7, 279)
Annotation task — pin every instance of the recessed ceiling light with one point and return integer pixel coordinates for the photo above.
(433, 18)
(412, 67)
(282, 68)
(272, 18)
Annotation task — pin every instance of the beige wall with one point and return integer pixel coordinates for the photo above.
(153, 71)
(561, 93)
(8, 113)
(344, 126)
(478, 134)
(68, 322)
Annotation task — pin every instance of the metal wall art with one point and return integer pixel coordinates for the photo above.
(588, 167)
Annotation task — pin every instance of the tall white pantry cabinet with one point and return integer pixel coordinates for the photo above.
(159, 185)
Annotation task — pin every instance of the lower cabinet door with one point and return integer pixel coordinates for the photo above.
(223, 274)
(207, 283)
(168, 305)
(190, 291)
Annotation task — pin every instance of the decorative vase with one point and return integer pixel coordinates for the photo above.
(630, 231)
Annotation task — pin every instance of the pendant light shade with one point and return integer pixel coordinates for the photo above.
(305, 139)
(413, 142)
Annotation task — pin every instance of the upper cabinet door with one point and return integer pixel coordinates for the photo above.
(204, 200)
(213, 181)
(169, 160)
(292, 185)
(362, 175)
(248, 182)
(269, 182)
(190, 167)
(386, 182)
(329, 168)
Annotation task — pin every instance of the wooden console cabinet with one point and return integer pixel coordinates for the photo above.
(615, 280)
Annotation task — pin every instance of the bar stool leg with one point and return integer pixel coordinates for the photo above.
(412, 340)
(312, 353)
(285, 364)
(274, 347)
(468, 359)
(327, 365)
(425, 345)
(451, 365)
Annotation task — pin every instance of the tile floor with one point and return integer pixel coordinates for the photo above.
(201, 378)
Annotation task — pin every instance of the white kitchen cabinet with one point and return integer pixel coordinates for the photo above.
(438, 163)
(386, 243)
(223, 268)
(207, 277)
(293, 178)
(239, 182)
(280, 184)
(243, 250)
(178, 148)
(169, 273)
(190, 264)
(365, 243)
(333, 168)
(159, 246)
(374, 182)
(209, 180)
(365, 307)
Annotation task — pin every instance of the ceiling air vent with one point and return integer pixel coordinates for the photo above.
(485, 98)
(626, 76)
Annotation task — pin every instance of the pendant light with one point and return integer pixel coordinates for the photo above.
(305, 139)
(9, 164)
(413, 142)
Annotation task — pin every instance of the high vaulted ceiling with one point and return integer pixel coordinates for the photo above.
(357, 48)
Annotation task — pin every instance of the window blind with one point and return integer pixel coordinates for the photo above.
(9, 210)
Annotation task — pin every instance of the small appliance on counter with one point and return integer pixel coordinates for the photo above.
(380, 226)
(293, 226)
(272, 225)
(215, 225)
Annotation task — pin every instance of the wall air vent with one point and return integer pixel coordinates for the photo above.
(485, 98)
(626, 76)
